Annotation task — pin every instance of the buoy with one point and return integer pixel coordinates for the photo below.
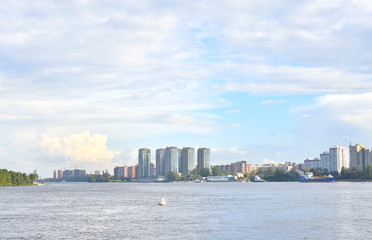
(162, 201)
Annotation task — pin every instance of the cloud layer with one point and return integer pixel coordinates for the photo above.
(139, 70)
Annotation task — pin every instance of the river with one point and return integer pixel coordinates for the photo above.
(193, 211)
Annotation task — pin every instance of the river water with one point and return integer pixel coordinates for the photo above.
(193, 211)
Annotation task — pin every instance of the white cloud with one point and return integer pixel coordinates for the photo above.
(254, 154)
(335, 119)
(268, 161)
(284, 80)
(351, 109)
(80, 149)
(135, 70)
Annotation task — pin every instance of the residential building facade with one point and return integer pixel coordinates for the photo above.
(187, 160)
(171, 158)
(160, 163)
(204, 156)
(144, 161)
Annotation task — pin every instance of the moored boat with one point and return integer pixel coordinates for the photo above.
(309, 178)
(258, 179)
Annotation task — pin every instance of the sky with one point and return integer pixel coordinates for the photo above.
(85, 83)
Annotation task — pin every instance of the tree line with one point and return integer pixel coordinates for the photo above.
(271, 175)
(11, 178)
(193, 175)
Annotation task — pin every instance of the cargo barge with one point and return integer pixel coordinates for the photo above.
(307, 178)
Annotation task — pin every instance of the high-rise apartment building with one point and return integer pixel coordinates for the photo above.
(144, 161)
(187, 160)
(339, 157)
(204, 157)
(119, 172)
(68, 174)
(171, 159)
(325, 161)
(60, 174)
(180, 170)
(160, 163)
(132, 172)
(79, 173)
(312, 163)
(240, 167)
(54, 174)
(360, 157)
(334, 160)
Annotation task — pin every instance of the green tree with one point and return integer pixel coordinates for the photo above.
(33, 176)
(325, 171)
(367, 174)
(194, 174)
(91, 178)
(172, 176)
(216, 171)
(294, 175)
(227, 172)
(205, 172)
(11, 178)
(271, 170)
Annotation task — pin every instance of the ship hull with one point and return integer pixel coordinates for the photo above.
(325, 180)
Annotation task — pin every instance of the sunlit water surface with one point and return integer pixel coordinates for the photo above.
(193, 211)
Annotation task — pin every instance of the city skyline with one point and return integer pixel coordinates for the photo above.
(355, 158)
(87, 83)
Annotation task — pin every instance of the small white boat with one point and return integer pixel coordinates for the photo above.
(162, 201)
(258, 179)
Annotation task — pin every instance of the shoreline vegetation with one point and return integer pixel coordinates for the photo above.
(271, 175)
(11, 178)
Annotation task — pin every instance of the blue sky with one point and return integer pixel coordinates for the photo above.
(87, 83)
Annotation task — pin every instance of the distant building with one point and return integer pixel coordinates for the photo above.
(60, 174)
(240, 167)
(171, 159)
(187, 160)
(144, 160)
(325, 161)
(224, 168)
(180, 169)
(334, 160)
(119, 172)
(312, 163)
(132, 172)
(54, 174)
(79, 173)
(125, 171)
(152, 170)
(360, 157)
(68, 174)
(339, 157)
(204, 158)
(160, 163)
